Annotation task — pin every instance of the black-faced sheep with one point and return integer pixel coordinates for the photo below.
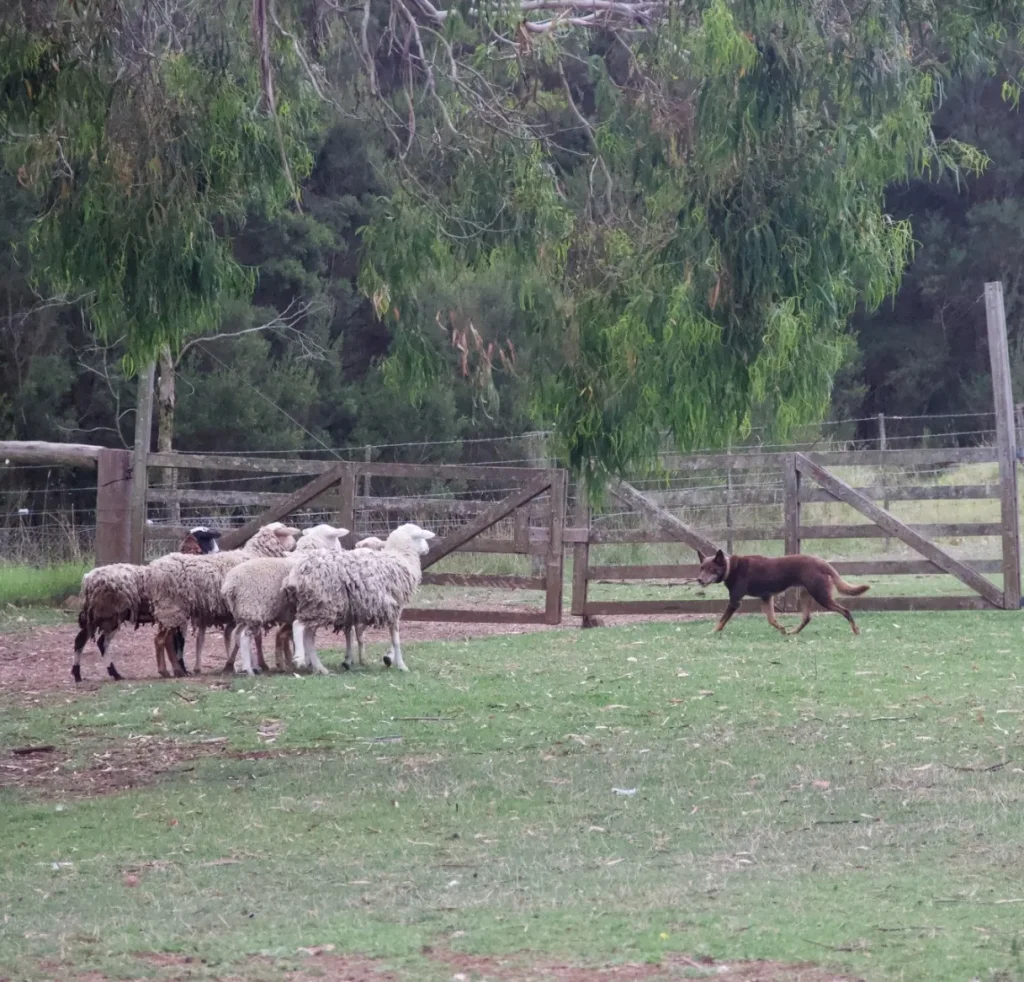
(187, 589)
(116, 594)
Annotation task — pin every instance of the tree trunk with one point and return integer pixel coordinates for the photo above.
(165, 429)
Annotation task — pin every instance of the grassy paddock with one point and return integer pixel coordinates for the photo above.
(34, 585)
(848, 801)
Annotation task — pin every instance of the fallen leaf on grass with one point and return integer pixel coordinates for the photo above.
(315, 950)
(821, 785)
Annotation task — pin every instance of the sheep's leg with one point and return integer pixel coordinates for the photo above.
(298, 633)
(347, 663)
(104, 640)
(160, 643)
(80, 639)
(359, 642)
(200, 640)
(283, 649)
(396, 649)
(246, 649)
(229, 665)
(309, 639)
(177, 652)
(261, 661)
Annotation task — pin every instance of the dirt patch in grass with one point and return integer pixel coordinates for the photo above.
(522, 966)
(35, 663)
(132, 763)
(328, 967)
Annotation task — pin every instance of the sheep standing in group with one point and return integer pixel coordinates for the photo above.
(365, 587)
(187, 589)
(253, 594)
(116, 594)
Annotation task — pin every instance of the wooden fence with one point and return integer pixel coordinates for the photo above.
(791, 481)
(533, 503)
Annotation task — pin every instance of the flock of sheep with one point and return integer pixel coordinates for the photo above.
(281, 578)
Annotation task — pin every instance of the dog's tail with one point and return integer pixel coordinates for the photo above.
(847, 589)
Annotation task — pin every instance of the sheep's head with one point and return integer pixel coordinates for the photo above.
(370, 542)
(206, 537)
(282, 536)
(410, 532)
(322, 536)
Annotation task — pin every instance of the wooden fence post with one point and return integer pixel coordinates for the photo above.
(347, 503)
(791, 518)
(885, 483)
(368, 457)
(728, 503)
(1006, 442)
(140, 463)
(555, 566)
(539, 458)
(113, 504)
(580, 551)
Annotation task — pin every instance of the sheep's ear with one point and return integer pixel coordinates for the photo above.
(426, 534)
(339, 533)
(285, 532)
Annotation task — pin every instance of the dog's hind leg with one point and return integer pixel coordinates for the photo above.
(768, 608)
(805, 606)
(823, 594)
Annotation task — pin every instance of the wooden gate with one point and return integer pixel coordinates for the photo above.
(538, 505)
(801, 479)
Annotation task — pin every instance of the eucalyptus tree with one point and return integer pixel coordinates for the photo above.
(144, 130)
(690, 195)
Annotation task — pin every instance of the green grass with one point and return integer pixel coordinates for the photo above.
(39, 585)
(796, 799)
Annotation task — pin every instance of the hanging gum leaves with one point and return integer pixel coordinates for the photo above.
(143, 147)
(698, 208)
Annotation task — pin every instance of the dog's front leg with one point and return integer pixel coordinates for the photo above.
(734, 605)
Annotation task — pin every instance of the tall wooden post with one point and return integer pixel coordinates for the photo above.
(791, 517)
(538, 453)
(728, 502)
(140, 460)
(113, 505)
(347, 504)
(885, 483)
(555, 561)
(580, 551)
(1006, 442)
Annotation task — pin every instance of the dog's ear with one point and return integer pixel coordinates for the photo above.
(720, 557)
(700, 556)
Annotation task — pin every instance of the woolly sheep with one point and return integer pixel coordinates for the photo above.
(253, 595)
(365, 586)
(186, 589)
(116, 594)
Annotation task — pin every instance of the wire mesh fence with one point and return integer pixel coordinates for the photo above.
(47, 514)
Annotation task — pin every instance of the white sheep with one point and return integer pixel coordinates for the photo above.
(116, 594)
(366, 587)
(253, 595)
(187, 589)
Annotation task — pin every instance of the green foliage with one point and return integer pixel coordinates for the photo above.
(133, 155)
(695, 263)
(927, 352)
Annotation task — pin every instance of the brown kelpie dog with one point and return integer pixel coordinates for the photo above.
(763, 576)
